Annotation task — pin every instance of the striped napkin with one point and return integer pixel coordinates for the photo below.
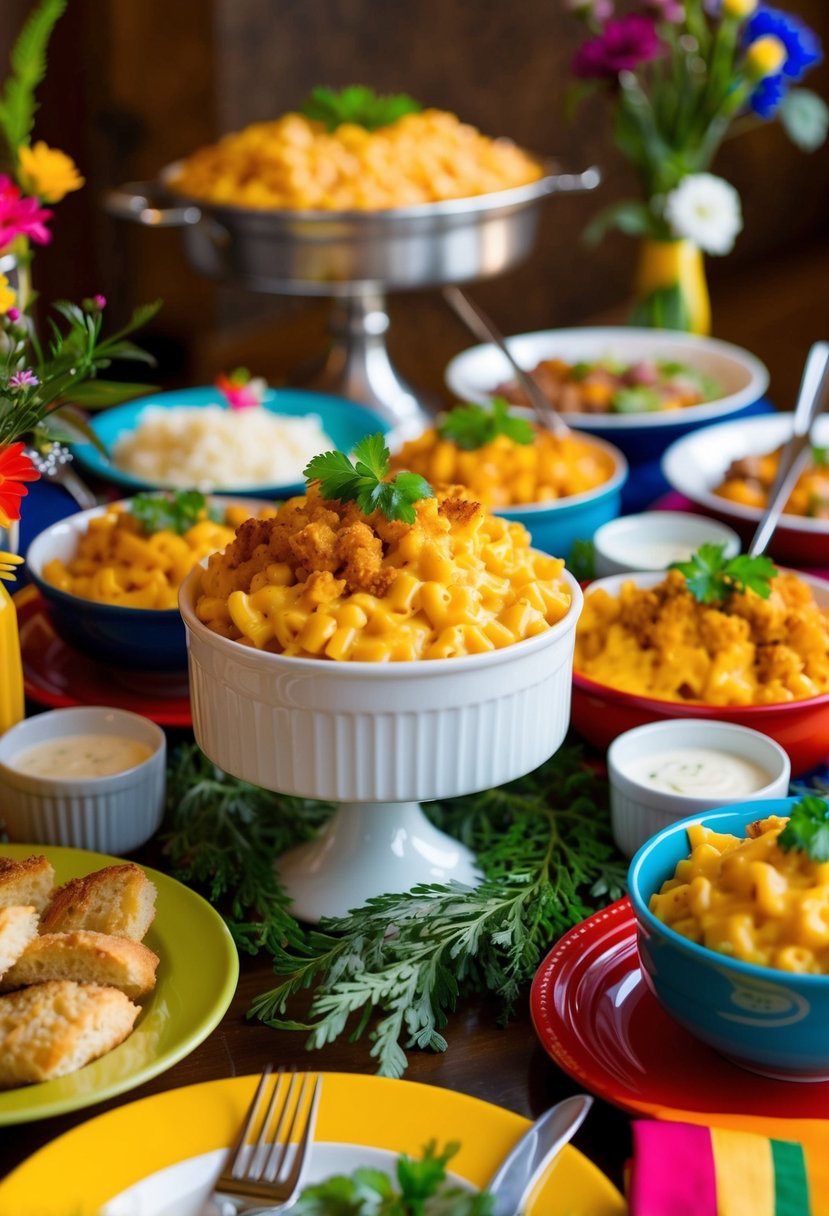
(684, 1169)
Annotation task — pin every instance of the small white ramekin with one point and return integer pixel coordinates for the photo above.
(637, 811)
(113, 814)
(654, 539)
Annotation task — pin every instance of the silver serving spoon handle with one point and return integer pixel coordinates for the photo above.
(513, 1181)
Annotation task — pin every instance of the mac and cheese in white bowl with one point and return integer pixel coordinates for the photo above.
(748, 899)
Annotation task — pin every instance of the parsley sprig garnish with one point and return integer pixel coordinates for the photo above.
(712, 577)
(357, 104)
(543, 844)
(472, 426)
(808, 828)
(366, 481)
(176, 512)
(422, 1188)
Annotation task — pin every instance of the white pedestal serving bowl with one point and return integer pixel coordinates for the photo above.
(378, 738)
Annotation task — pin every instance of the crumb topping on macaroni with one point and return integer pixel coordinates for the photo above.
(503, 473)
(322, 580)
(661, 642)
(750, 899)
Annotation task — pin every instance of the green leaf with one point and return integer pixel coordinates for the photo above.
(174, 512)
(808, 828)
(634, 219)
(357, 104)
(28, 63)
(97, 394)
(472, 426)
(805, 118)
(665, 308)
(366, 481)
(582, 560)
(636, 400)
(711, 577)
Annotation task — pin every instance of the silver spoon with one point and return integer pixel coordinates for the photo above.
(55, 465)
(812, 399)
(482, 326)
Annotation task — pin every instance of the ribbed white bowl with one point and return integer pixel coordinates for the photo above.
(373, 732)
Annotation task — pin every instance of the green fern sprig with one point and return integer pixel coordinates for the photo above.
(28, 62)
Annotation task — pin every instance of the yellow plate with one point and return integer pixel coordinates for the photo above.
(76, 1174)
(197, 975)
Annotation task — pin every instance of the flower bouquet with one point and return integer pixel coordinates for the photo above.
(680, 77)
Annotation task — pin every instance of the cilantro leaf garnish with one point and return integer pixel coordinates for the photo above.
(640, 399)
(712, 577)
(357, 104)
(820, 456)
(808, 828)
(472, 426)
(366, 481)
(175, 512)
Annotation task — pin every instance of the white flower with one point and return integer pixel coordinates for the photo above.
(706, 210)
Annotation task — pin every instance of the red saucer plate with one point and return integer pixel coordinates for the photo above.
(599, 1021)
(57, 676)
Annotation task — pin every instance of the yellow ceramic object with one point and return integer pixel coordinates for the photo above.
(667, 265)
(11, 668)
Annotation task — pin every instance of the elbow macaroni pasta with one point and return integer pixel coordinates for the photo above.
(504, 473)
(750, 899)
(457, 582)
(116, 563)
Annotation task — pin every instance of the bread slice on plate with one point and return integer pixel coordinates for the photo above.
(51, 1029)
(88, 958)
(26, 882)
(18, 927)
(119, 900)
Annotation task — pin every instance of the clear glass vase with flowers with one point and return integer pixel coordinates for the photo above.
(42, 382)
(680, 76)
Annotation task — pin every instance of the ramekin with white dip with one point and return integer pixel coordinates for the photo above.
(88, 777)
(663, 771)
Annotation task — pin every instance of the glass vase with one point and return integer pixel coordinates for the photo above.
(671, 288)
(12, 704)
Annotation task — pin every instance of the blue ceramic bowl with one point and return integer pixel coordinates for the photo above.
(345, 422)
(772, 1022)
(554, 526)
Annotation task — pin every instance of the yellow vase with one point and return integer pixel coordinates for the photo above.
(671, 289)
(12, 706)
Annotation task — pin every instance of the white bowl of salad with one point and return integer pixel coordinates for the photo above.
(637, 388)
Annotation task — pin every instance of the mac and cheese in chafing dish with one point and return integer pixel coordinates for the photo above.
(750, 899)
(116, 563)
(321, 580)
(504, 473)
(660, 642)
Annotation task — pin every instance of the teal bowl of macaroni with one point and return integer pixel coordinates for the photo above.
(768, 1016)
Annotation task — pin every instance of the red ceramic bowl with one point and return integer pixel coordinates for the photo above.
(600, 713)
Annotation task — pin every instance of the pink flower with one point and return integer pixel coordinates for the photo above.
(13, 314)
(100, 302)
(21, 216)
(24, 379)
(623, 44)
(240, 390)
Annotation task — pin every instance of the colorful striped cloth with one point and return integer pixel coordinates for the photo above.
(683, 1169)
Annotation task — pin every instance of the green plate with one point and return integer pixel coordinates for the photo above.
(197, 975)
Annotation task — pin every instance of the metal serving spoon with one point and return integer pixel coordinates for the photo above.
(483, 328)
(812, 399)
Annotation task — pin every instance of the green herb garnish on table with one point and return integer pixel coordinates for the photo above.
(543, 844)
(712, 577)
(421, 1188)
(808, 828)
(472, 426)
(176, 512)
(357, 104)
(366, 481)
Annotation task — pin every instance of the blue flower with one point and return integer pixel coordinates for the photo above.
(803, 49)
(766, 98)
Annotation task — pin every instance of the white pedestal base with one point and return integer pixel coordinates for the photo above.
(370, 848)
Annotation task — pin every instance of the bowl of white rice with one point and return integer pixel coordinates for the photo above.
(191, 439)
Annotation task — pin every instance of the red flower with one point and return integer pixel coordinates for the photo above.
(21, 216)
(15, 468)
(622, 45)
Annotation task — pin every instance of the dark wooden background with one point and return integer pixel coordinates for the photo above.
(134, 85)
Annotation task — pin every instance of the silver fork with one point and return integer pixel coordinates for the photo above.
(264, 1171)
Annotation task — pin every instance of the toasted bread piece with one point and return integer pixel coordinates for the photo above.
(26, 882)
(119, 900)
(18, 927)
(88, 958)
(49, 1030)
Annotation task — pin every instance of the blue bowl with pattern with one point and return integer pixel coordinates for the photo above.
(769, 1021)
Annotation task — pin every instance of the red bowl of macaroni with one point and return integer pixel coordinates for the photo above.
(733, 934)
(619, 684)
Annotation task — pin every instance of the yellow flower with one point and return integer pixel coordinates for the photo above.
(738, 9)
(7, 295)
(47, 172)
(765, 57)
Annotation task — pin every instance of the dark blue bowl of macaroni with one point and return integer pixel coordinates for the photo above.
(732, 916)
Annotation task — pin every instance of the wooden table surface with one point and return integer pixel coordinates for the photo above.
(776, 313)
